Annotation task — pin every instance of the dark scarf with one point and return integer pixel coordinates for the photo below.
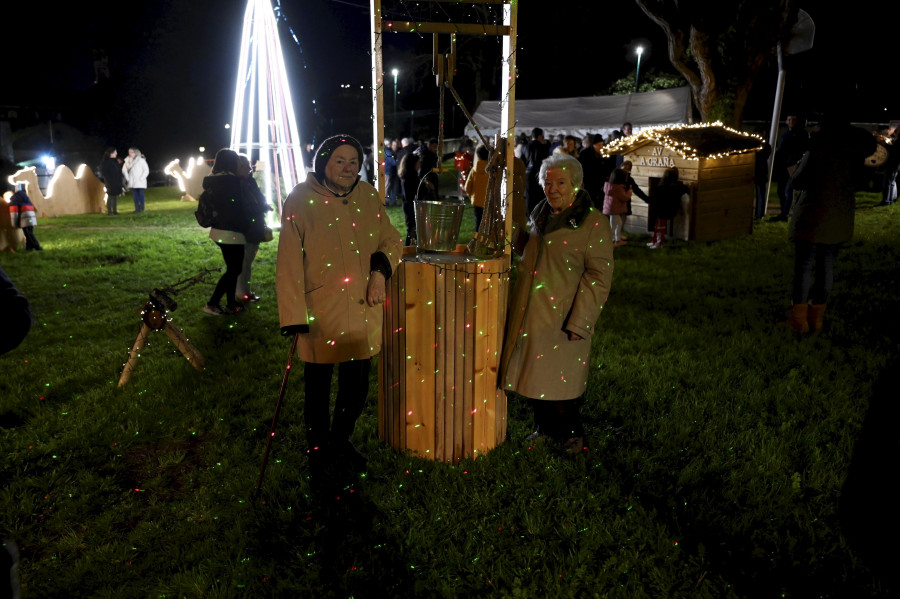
(572, 217)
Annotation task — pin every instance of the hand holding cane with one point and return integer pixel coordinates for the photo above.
(284, 380)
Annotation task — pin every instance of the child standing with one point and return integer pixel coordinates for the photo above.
(21, 210)
(664, 205)
(615, 203)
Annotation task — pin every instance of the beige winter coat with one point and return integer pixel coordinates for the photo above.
(322, 271)
(563, 281)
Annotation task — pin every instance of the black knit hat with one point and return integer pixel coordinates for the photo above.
(226, 161)
(327, 148)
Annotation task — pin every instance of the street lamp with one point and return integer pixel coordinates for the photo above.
(395, 72)
(637, 73)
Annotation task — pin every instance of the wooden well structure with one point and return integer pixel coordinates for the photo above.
(717, 164)
(439, 395)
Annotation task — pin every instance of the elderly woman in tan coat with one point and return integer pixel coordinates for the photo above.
(563, 281)
(336, 249)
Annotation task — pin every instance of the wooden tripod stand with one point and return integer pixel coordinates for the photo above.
(154, 317)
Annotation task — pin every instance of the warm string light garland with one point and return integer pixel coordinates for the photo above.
(664, 136)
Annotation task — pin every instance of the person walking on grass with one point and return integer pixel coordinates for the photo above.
(231, 220)
(22, 212)
(563, 281)
(257, 207)
(822, 215)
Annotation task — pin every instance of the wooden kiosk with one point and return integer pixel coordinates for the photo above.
(715, 162)
(439, 394)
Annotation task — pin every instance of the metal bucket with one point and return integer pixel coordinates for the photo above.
(437, 225)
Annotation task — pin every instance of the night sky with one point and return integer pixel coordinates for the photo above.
(172, 64)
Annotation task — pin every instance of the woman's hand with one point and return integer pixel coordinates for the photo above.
(375, 293)
(574, 336)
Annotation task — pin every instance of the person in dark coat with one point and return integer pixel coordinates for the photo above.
(429, 161)
(664, 206)
(111, 175)
(597, 169)
(790, 148)
(761, 180)
(533, 155)
(408, 171)
(823, 214)
(231, 221)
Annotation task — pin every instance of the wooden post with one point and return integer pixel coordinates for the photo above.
(377, 98)
(139, 344)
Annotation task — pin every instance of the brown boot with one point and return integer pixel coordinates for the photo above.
(799, 319)
(816, 317)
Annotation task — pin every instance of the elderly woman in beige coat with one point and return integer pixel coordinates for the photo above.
(336, 249)
(563, 281)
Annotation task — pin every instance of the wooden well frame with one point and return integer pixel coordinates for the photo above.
(439, 395)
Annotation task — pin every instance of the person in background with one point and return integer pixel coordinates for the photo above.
(409, 185)
(477, 183)
(22, 212)
(626, 131)
(563, 281)
(111, 174)
(533, 156)
(790, 148)
(257, 207)
(761, 178)
(392, 182)
(336, 250)
(665, 203)
(597, 169)
(230, 222)
(632, 186)
(569, 146)
(136, 171)
(429, 160)
(891, 166)
(558, 141)
(615, 203)
(823, 214)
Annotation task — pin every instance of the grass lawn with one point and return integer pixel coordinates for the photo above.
(728, 458)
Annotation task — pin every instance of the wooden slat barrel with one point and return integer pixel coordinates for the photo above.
(443, 334)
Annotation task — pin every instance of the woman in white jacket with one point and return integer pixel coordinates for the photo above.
(136, 171)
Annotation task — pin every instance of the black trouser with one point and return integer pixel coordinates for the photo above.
(31, 242)
(112, 204)
(560, 420)
(233, 253)
(353, 388)
(409, 213)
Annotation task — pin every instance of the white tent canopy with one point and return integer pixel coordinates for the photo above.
(593, 114)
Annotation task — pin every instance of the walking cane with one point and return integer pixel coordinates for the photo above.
(284, 380)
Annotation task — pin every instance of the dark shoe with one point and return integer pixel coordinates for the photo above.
(251, 297)
(215, 310)
(347, 453)
(234, 308)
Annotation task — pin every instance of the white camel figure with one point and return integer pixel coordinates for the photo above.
(190, 181)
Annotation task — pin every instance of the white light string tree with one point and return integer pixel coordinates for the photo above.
(263, 124)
